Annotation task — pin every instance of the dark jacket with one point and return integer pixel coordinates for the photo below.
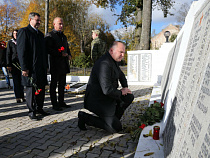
(32, 55)
(54, 40)
(2, 57)
(11, 56)
(102, 93)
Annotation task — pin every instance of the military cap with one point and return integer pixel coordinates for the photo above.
(96, 32)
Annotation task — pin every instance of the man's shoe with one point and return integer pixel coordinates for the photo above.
(18, 100)
(57, 108)
(42, 112)
(64, 105)
(33, 117)
(81, 121)
(23, 99)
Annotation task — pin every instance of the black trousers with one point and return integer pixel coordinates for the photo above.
(111, 124)
(34, 102)
(60, 81)
(17, 86)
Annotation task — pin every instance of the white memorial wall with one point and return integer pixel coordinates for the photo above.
(185, 91)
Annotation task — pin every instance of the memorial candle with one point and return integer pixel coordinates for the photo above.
(156, 130)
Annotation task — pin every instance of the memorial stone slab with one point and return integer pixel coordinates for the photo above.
(133, 68)
(139, 66)
(187, 130)
(169, 69)
(145, 68)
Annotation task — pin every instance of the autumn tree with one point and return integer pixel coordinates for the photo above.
(78, 22)
(33, 6)
(138, 13)
(8, 19)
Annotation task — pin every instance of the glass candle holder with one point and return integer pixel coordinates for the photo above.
(156, 130)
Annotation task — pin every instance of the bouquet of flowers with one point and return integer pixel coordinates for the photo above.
(153, 114)
(37, 90)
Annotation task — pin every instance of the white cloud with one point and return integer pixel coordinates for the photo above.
(157, 15)
(106, 14)
(158, 20)
(120, 32)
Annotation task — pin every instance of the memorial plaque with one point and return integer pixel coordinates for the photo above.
(133, 67)
(187, 130)
(197, 137)
(145, 68)
(169, 69)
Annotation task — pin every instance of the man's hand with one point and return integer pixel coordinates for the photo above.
(64, 54)
(25, 73)
(126, 91)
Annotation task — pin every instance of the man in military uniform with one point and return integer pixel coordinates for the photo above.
(98, 46)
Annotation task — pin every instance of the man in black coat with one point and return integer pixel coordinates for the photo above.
(102, 96)
(33, 62)
(58, 50)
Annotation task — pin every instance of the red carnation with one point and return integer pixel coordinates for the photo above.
(142, 126)
(161, 104)
(39, 90)
(61, 49)
(155, 101)
(36, 93)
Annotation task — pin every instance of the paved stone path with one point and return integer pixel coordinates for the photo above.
(57, 135)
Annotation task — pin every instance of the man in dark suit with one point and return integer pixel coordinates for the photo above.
(58, 49)
(102, 96)
(33, 61)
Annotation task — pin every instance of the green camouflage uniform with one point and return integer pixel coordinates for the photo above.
(98, 48)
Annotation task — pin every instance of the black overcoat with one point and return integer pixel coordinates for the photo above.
(102, 90)
(32, 55)
(2, 57)
(11, 54)
(59, 64)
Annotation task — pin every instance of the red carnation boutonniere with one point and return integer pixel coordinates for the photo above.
(61, 49)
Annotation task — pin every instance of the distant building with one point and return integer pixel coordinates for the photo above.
(159, 39)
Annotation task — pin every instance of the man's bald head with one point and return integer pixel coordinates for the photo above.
(58, 24)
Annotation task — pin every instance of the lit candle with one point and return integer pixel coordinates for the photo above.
(156, 130)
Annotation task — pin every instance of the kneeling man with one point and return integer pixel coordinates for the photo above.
(102, 96)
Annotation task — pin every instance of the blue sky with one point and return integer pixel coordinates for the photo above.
(158, 21)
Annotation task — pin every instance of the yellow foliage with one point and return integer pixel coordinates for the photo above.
(74, 43)
(8, 19)
(31, 8)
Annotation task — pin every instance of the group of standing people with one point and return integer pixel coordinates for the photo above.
(26, 57)
(31, 49)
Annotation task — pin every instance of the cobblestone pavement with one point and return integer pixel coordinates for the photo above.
(57, 135)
